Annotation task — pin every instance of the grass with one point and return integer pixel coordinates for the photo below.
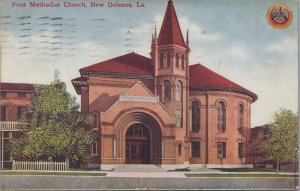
(199, 175)
(180, 169)
(53, 173)
(244, 169)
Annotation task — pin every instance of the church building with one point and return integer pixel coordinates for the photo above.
(165, 110)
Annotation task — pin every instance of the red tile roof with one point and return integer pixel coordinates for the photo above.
(170, 32)
(131, 63)
(16, 87)
(80, 79)
(200, 77)
(205, 79)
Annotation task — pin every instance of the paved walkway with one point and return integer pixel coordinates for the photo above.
(153, 171)
(147, 174)
(138, 168)
(150, 171)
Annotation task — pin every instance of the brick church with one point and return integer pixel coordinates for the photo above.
(165, 110)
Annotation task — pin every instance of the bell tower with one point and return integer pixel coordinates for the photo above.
(170, 56)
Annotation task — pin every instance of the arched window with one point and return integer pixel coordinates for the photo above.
(177, 60)
(241, 117)
(179, 90)
(179, 149)
(167, 90)
(95, 124)
(195, 116)
(221, 117)
(182, 61)
(161, 60)
(168, 60)
(179, 118)
(94, 148)
(195, 149)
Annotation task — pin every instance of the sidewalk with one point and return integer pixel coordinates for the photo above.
(154, 172)
(179, 174)
(171, 180)
(147, 174)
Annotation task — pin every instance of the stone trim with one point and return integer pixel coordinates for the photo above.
(222, 92)
(221, 139)
(116, 75)
(168, 137)
(139, 98)
(112, 84)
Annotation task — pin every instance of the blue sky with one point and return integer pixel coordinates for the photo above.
(232, 37)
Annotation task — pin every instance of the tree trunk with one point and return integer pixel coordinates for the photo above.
(277, 166)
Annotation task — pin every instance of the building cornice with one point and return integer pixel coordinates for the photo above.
(116, 75)
(222, 92)
(111, 84)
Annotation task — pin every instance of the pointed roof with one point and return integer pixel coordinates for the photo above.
(170, 32)
(203, 78)
(131, 63)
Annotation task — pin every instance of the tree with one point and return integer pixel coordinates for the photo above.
(54, 129)
(280, 141)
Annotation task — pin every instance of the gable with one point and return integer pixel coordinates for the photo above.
(139, 90)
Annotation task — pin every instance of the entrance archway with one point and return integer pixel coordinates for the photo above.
(138, 144)
(150, 140)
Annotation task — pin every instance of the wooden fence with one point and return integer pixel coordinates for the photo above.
(40, 165)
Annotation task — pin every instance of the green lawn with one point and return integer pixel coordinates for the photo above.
(53, 173)
(244, 169)
(211, 175)
(180, 169)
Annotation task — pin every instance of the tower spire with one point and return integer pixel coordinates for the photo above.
(170, 32)
(187, 36)
(187, 40)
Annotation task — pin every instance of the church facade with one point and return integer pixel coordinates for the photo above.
(164, 110)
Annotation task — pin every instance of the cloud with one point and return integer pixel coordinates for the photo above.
(238, 50)
(287, 44)
(197, 33)
(274, 47)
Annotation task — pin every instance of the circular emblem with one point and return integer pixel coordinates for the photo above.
(279, 16)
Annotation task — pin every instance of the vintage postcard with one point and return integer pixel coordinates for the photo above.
(164, 94)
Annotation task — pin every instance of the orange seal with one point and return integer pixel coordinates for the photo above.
(279, 16)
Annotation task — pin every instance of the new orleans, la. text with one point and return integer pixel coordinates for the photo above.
(74, 4)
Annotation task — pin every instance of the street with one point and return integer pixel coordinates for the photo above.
(11, 182)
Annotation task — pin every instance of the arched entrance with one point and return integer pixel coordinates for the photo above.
(149, 142)
(138, 144)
